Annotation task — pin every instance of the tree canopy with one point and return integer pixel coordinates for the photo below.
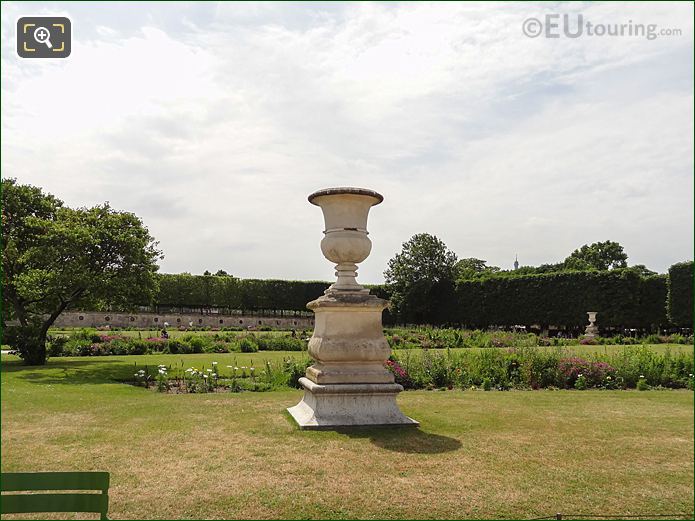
(472, 267)
(421, 279)
(54, 257)
(600, 256)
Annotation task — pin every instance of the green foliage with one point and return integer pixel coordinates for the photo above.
(420, 280)
(621, 297)
(535, 368)
(580, 384)
(54, 257)
(471, 268)
(680, 294)
(230, 293)
(599, 256)
(174, 378)
(90, 343)
(652, 297)
(246, 345)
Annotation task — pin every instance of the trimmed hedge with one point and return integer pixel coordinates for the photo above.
(211, 291)
(680, 294)
(621, 297)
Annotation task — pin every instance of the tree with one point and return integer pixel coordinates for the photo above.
(421, 280)
(599, 256)
(55, 257)
(471, 267)
(642, 270)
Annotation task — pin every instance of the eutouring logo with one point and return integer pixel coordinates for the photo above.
(44, 37)
(554, 25)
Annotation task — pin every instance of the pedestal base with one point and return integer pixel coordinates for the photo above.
(349, 405)
(591, 332)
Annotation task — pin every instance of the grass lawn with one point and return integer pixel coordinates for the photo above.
(477, 454)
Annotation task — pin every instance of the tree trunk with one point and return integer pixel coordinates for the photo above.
(32, 338)
(34, 349)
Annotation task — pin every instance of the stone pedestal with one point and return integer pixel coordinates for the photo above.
(348, 386)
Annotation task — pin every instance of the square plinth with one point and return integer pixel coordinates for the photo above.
(335, 406)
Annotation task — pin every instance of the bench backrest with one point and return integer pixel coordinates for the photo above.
(55, 502)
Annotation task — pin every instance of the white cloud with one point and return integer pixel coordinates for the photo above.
(213, 122)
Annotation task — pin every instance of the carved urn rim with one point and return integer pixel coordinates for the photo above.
(341, 190)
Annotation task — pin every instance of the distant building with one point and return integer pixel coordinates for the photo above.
(516, 262)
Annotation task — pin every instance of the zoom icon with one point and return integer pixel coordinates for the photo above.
(44, 37)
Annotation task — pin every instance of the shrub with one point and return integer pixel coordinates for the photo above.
(295, 369)
(56, 345)
(400, 375)
(279, 343)
(593, 374)
(246, 345)
(198, 343)
(580, 383)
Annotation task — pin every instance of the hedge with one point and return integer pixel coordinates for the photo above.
(621, 297)
(680, 294)
(226, 292)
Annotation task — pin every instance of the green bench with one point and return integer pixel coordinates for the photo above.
(54, 502)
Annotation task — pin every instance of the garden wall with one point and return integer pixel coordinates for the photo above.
(156, 320)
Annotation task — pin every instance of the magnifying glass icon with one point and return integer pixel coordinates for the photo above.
(43, 35)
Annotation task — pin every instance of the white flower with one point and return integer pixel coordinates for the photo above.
(205, 376)
(137, 374)
(236, 368)
(214, 363)
(189, 370)
(252, 368)
(641, 376)
(231, 367)
(209, 370)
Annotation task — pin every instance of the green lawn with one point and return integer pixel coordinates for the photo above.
(477, 454)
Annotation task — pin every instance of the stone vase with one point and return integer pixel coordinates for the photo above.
(591, 330)
(348, 385)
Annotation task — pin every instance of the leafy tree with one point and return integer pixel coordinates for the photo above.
(472, 267)
(420, 280)
(54, 257)
(599, 256)
(642, 270)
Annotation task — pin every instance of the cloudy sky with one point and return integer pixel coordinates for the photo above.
(214, 121)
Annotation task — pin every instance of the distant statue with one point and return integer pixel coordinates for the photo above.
(591, 330)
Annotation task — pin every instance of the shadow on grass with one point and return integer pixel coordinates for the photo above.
(74, 372)
(409, 440)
